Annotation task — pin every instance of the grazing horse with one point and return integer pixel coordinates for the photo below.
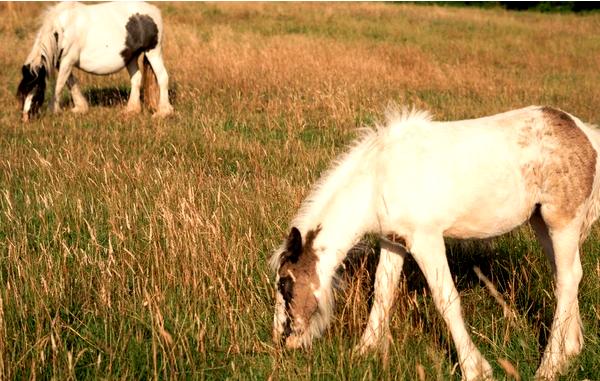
(98, 39)
(416, 181)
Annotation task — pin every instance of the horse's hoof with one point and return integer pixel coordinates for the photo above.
(126, 113)
(131, 110)
(479, 369)
(79, 110)
(362, 350)
(545, 375)
(55, 108)
(162, 114)
(550, 370)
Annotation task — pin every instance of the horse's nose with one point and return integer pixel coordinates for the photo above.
(293, 342)
(25, 117)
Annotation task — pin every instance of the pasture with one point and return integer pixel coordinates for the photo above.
(136, 248)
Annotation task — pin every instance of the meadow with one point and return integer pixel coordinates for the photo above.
(135, 248)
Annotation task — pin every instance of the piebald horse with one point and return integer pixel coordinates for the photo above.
(415, 181)
(98, 39)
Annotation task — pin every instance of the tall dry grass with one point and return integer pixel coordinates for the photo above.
(137, 248)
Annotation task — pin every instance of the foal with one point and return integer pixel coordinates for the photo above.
(417, 181)
(98, 39)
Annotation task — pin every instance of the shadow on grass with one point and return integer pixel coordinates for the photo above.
(116, 96)
(462, 257)
(107, 96)
(505, 266)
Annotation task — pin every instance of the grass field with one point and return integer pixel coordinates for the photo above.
(137, 248)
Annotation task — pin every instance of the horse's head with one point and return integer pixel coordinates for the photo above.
(298, 306)
(31, 90)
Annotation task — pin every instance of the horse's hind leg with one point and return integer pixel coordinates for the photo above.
(566, 337)
(430, 254)
(80, 104)
(134, 105)
(387, 276)
(543, 235)
(156, 61)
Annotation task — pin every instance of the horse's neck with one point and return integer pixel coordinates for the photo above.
(342, 210)
(339, 230)
(46, 41)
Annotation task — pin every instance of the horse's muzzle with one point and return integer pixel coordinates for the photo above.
(293, 342)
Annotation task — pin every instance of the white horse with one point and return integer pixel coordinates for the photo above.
(99, 39)
(416, 181)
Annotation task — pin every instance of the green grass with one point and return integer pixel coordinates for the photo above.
(137, 248)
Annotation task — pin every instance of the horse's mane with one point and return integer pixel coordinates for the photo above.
(398, 119)
(369, 141)
(45, 48)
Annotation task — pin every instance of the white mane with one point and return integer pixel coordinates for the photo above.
(45, 48)
(398, 121)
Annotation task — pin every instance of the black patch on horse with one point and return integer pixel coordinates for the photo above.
(59, 58)
(35, 82)
(142, 35)
(286, 288)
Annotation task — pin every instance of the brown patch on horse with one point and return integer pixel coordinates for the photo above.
(302, 274)
(528, 137)
(569, 173)
(526, 134)
(398, 240)
(531, 173)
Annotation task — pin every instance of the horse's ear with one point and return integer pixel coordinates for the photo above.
(294, 245)
(25, 70)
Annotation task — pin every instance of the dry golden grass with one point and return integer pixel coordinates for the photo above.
(137, 248)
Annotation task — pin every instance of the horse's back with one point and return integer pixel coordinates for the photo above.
(482, 177)
(109, 35)
(114, 14)
(126, 8)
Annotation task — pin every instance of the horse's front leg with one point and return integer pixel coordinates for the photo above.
(79, 101)
(64, 72)
(430, 253)
(388, 273)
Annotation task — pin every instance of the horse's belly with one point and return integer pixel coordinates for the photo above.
(495, 208)
(478, 226)
(102, 61)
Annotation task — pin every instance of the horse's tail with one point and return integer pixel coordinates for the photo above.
(150, 89)
(593, 210)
